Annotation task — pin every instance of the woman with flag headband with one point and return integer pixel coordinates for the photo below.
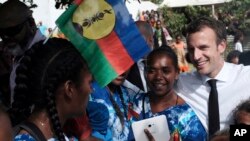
(116, 98)
(161, 73)
(110, 41)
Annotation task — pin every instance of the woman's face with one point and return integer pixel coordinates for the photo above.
(83, 91)
(118, 81)
(161, 74)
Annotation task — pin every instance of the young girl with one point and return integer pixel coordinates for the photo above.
(52, 85)
(115, 97)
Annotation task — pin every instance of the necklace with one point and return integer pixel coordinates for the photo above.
(177, 98)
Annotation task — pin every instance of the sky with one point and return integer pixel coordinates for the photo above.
(45, 12)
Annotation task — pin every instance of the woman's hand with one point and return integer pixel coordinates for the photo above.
(149, 135)
(151, 138)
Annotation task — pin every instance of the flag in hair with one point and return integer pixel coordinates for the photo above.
(106, 36)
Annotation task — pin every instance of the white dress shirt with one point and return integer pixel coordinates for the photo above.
(233, 86)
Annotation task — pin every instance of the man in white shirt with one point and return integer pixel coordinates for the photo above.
(206, 42)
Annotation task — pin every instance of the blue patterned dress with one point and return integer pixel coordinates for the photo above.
(102, 95)
(27, 137)
(180, 118)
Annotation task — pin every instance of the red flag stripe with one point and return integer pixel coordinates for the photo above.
(78, 2)
(115, 52)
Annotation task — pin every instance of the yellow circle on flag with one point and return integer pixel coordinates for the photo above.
(96, 17)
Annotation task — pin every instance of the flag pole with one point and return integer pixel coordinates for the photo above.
(51, 33)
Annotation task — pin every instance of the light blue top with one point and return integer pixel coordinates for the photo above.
(27, 137)
(102, 95)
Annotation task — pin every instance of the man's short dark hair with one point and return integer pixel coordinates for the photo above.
(217, 26)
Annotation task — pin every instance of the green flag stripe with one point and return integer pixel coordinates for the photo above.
(88, 49)
(66, 16)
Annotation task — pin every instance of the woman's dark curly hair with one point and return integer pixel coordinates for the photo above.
(42, 70)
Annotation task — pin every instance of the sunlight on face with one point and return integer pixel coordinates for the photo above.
(161, 74)
(205, 53)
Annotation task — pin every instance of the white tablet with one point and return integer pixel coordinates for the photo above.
(157, 126)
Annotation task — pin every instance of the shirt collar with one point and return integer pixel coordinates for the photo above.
(222, 76)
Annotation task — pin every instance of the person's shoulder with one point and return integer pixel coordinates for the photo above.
(245, 70)
(237, 67)
(181, 111)
(24, 137)
(238, 72)
(95, 85)
(188, 82)
(183, 105)
(140, 96)
(185, 110)
(189, 76)
(97, 90)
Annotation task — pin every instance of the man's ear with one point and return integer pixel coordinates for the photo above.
(69, 89)
(222, 46)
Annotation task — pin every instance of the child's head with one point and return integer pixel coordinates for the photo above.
(233, 57)
(222, 135)
(242, 113)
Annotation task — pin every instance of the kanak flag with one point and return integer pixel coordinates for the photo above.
(106, 36)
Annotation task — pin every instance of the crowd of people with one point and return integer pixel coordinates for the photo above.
(162, 37)
(48, 92)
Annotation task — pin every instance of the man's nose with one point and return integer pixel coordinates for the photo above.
(197, 54)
